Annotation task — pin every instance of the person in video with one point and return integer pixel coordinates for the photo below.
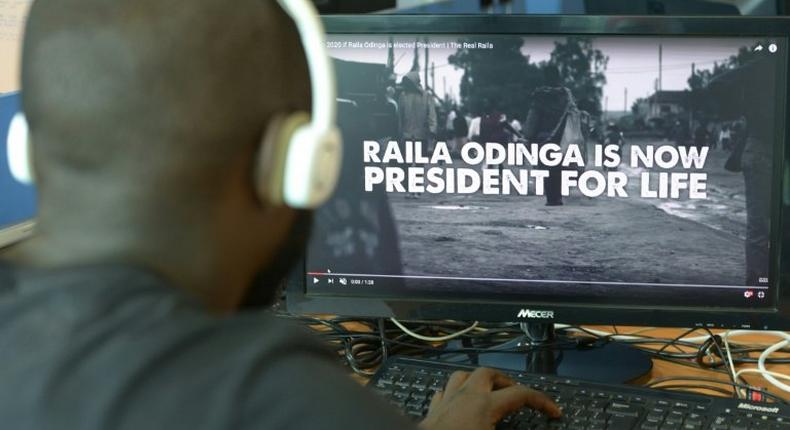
(417, 113)
(758, 134)
(460, 131)
(753, 136)
(614, 136)
(545, 124)
(124, 310)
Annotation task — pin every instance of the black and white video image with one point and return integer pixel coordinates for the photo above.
(609, 161)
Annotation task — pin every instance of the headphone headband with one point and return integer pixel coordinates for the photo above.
(322, 73)
(312, 163)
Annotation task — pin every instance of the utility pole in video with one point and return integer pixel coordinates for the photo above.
(660, 66)
(391, 55)
(415, 65)
(433, 76)
(625, 100)
(692, 105)
(427, 64)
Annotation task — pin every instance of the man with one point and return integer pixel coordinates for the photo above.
(460, 131)
(417, 114)
(546, 123)
(123, 311)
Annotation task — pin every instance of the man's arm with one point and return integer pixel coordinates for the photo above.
(301, 391)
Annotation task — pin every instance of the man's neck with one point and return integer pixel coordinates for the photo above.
(188, 259)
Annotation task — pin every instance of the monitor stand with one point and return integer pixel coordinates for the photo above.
(547, 353)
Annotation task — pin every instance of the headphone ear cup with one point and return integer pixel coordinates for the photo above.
(270, 167)
(19, 151)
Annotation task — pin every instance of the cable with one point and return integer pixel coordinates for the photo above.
(434, 338)
(716, 342)
(734, 333)
(763, 372)
(634, 339)
(732, 366)
(696, 339)
(761, 362)
(653, 384)
(675, 340)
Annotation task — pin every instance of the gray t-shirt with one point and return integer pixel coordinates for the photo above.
(113, 347)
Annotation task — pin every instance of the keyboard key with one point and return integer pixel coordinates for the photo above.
(701, 408)
(419, 395)
(414, 413)
(624, 409)
(621, 422)
(400, 394)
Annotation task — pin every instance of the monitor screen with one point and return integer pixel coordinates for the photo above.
(17, 201)
(613, 170)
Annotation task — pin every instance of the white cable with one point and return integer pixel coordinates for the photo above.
(434, 338)
(764, 356)
(731, 366)
(762, 373)
(695, 339)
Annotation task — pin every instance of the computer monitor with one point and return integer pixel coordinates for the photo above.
(568, 169)
(17, 201)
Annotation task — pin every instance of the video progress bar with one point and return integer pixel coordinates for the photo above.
(537, 281)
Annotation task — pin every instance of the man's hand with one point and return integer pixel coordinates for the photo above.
(478, 400)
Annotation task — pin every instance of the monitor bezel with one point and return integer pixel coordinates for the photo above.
(14, 233)
(777, 318)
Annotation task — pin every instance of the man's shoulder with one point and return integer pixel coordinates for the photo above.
(266, 337)
(281, 377)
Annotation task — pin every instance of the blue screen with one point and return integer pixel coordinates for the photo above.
(17, 201)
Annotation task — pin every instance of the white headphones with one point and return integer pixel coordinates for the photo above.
(301, 154)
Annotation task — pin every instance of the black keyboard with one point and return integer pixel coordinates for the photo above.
(409, 384)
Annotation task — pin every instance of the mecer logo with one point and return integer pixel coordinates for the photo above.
(528, 313)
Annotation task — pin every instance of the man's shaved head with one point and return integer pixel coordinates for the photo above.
(143, 85)
(146, 117)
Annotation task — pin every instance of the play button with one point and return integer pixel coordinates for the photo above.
(315, 280)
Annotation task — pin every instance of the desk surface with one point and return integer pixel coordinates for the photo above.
(663, 369)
